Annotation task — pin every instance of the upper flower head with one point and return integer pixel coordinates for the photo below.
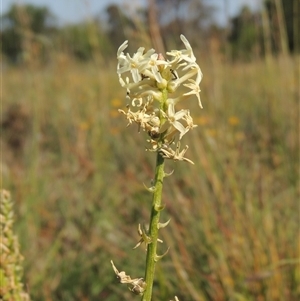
(156, 72)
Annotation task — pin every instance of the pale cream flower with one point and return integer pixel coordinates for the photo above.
(195, 89)
(174, 117)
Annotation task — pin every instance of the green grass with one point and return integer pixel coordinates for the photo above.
(76, 174)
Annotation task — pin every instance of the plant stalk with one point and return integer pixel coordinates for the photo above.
(153, 228)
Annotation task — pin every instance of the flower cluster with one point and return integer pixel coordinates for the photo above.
(150, 80)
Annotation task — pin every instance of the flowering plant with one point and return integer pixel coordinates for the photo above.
(154, 87)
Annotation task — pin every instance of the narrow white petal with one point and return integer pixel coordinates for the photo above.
(122, 47)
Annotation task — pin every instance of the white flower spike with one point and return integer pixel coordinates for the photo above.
(150, 80)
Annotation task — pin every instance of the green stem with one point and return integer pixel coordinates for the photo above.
(153, 228)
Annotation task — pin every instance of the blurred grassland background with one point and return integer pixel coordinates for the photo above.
(76, 172)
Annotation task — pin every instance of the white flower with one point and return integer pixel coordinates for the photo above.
(153, 69)
(195, 89)
(173, 118)
(132, 65)
(183, 55)
(135, 64)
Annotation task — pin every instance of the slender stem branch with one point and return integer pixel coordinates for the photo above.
(153, 228)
